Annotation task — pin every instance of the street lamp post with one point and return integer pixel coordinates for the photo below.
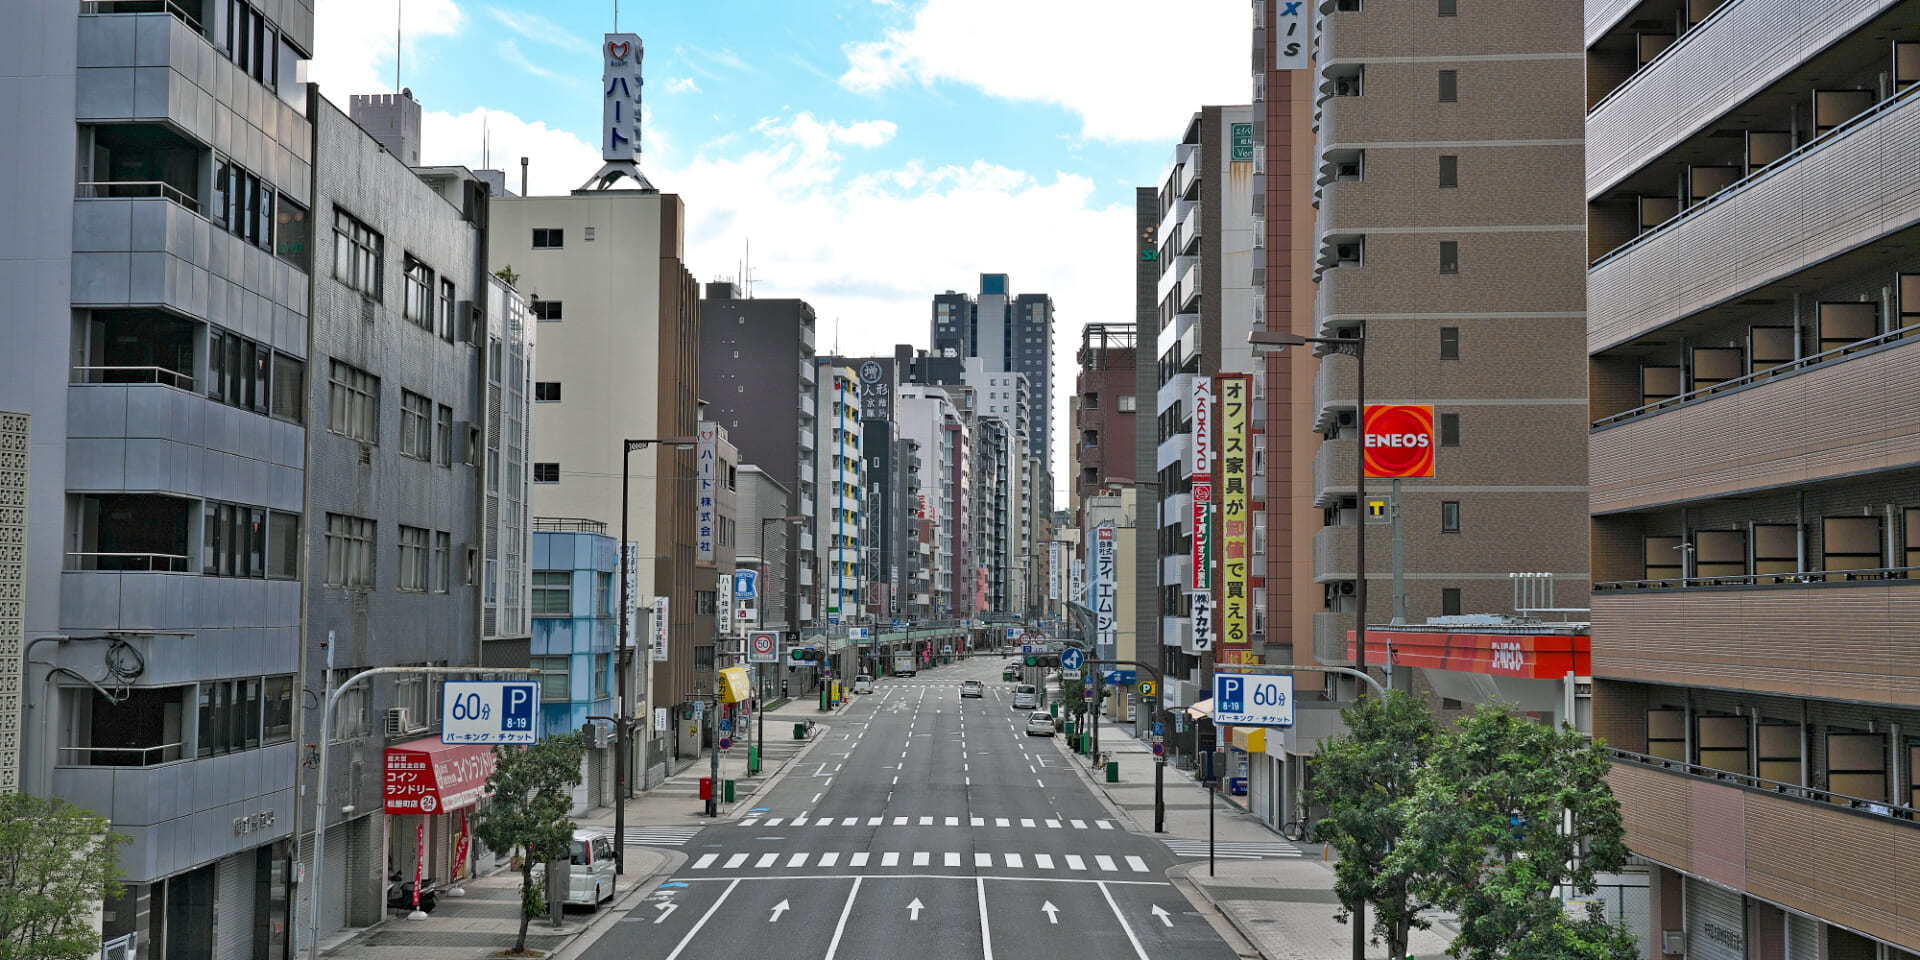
(760, 720)
(1261, 341)
(623, 659)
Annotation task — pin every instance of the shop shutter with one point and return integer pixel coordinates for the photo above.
(1716, 923)
(333, 899)
(1803, 937)
(233, 911)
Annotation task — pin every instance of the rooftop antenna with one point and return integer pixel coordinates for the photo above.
(484, 155)
(399, 8)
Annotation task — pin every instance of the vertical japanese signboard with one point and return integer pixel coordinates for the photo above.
(1235, 511)
(723, 606)
(1203, 623)
(1291, 31)
(1105, 586)
(659, 640)
(1056, 570)
(1203, 411)
(705, 489)
(620, 96)
(1242, 134)
(631, 597)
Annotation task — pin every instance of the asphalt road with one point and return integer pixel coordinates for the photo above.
(925, 827)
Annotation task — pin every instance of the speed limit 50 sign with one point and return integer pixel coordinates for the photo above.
(763, 647)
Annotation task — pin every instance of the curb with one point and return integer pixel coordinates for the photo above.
(1179, 876)
(779, 775)
(614, 912)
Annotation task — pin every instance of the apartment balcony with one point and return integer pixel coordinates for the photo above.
(1330, 645)
(1334, 467)
(1175, 449)
(808, 372)
(1332, 393)
(1830, 196)
(1333, 553)
(1177, 389)
(1708, 71)
(1190, 231)
(1820, 419)
(1188, 329)
(1812, 852)
(807, 405)
(1176, 568)
(156, 251)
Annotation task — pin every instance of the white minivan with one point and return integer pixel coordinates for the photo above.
(863, 684)
(1024, 697)
(590, 879)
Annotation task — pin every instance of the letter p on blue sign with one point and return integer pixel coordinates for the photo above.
(1229, 694)
(516, 707)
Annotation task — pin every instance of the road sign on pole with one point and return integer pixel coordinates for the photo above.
(474, 711)
(1253, 699)
(1071, 658)
(763, 647)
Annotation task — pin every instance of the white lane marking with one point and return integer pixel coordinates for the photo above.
(850, 822)
(1053, 824)
(899, 821)
(1102, 824)
(983, 859)
(841, 927)
(1043, 860)
(921, 858)
(734, 862)
(823, 822)
(1078, 824)
(1013, 861)
(829, 858)
(1105, 862)
(979, 821)
(1039, 781)
(774, 821)
(1138, 951)
(816, 799)
(750, 821)
(1025, 822)
(875, 821)
(951, 859)
(986, 934)
(706, 861)
(926, 821)
(890, 859)
(766, 860)
(953, 821)
(1075, 863)
(1000, 821)
(896, 780)
(736, 882)
(858, 859)
(801, 821)
(1138, 865)
(797, 860)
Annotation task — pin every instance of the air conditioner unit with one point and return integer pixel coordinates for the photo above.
(1344, 418)
(1348, 171)
(1346, 87)
(399, 721)
(1346, 252)
(1346, 588)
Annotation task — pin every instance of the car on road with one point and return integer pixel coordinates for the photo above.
(1008, 674)
(972, 688)
(863, 684)
(1039, 724)
(590, 876)
(1025, 697)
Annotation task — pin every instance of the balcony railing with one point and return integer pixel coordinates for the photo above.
(121, 756)
(1865, 805)
(115, 375)
(569, 525)
(1865, 575)
(93, 7)
(1758, 375)
(126, 562)
(134, 190)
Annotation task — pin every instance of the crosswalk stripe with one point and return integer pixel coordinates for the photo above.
(797, 860)
(953, 821)
(999, 821)
(850, 822)
(799, 821)
(858, 859)
(829, 858)
(926, 821)
(705, 861)
(1075, 863)
(1013, 861)
(979, 821)
(774, 821)
(899, 821)
(952, 859)
(983, 859)
(766, 860)
(920, 858)
(734, 862)
(750, 821)
(1138, 865)
(1078, 824)
(1105, 862)
(1043, 860)
(823, 822)
(874, 821)
(1053, 824)
(890, 859)
(1102, 824)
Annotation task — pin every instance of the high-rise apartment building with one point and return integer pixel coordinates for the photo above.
(839, 500)
(1010, 334)
(1752, 297)
(1104, 409)
(928, 418)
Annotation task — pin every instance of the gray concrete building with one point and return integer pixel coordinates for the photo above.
(1010, 333)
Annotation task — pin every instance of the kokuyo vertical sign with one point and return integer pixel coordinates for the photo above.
(1399, 440)
(1236, 510)
(1202, 539)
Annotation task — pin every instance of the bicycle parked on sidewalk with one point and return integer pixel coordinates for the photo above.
(1298, 829)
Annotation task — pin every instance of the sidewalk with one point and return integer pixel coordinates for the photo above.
(1284, 907)
(484, 922)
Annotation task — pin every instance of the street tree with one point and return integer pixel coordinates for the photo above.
(531, 795)
(57, 863)
(1364, 781)
(1510, 816)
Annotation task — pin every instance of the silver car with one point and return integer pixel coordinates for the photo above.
(1039, 724)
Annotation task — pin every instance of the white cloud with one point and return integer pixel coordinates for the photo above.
(353, 42)
(682, 85)
(1111, 73)
(558, 160)
(538, 28)
(509, 51)
(867, 133)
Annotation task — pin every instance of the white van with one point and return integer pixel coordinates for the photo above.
(590, 878)
(1025, 698)
(863, 684)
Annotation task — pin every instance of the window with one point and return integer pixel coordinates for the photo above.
(1127, 403)
(277, 709)
(703, 600)
(447, 306)
(1449, 601)
(353, 403)
(1449, 516)
(413, 559)
(603, 595)
(242, 204)
(350, 708)
(1667, 734)
(289, 388)
(292, 231)
(443, 436)
(283, 545)
(239, 372)
(357, 252)
(1449, 256)
(1449, 170)
(546, 473)
(1449, 343)
(416, 426)
(546, 309)
(547, 391)
(349, 551)
(410, 694)
(418, 304)
(1449, 86)
(1449, 429)
(229, 716)
(1449, 8)
(602, 677)
(442, 561)
(233, 540)
(552, 593)
(553, 682)
(548, 238)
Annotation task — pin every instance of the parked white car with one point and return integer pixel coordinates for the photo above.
(1039, 724)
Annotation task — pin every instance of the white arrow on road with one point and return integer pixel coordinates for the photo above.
(1052, 912)
(666, 910)
(1158, 911)
(915, 907)
(778, 909)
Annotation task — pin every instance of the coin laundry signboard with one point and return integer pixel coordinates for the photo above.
(428, 777)
(1399, 440)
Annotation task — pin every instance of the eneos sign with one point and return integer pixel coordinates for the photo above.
(1399, 440)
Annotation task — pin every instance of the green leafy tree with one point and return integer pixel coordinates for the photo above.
(1509, 815)
(1076, 701)
(532, 794)
(1363, 781)
(57, 863)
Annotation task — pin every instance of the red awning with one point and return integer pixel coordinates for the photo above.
(1540, 656)
(427, 776)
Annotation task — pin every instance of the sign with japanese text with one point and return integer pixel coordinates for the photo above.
(620, 96)
(1106, 586)
(1203, 622)
(1236, 510)
(1202, 579)
(1399, 439)
(1056, 570)
(1078, 581)
(489, 711)
(659, 642)
(723, 606)
(876, 390)
(435, 779)
(706, 489)
(630, 566)
(1243, 142)
(1202, 429)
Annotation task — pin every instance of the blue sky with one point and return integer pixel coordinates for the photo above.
(875, 152)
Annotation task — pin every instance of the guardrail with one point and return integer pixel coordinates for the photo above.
(1881, 808)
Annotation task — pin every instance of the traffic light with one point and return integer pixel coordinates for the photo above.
(796, 655)
(1033, 661)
